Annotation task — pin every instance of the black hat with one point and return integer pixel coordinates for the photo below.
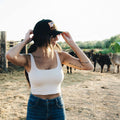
(46, 27)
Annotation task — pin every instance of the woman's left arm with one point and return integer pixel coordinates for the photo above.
(82, 62)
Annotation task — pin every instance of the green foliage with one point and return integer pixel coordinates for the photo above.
(108, 45)
(115, 47)
(106, 51)
(64, 45)
(100, 44)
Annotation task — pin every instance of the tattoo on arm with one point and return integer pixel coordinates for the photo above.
(75, 65)
(78, 65)
(83, 62)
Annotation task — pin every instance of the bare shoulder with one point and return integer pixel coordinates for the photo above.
(63, 55)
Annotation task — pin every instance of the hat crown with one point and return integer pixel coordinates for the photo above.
(44, 27)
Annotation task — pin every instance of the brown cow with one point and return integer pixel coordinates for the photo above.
(115, 60)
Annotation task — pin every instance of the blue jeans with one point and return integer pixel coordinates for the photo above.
(45, 109)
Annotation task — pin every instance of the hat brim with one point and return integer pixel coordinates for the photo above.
(55, 32)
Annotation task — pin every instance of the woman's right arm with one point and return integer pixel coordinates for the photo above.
(14, 56)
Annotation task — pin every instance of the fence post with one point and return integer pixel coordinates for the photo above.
(3, 62)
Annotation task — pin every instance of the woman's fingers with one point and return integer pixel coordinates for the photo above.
(29, 36)
(31, 31)
(66, 35)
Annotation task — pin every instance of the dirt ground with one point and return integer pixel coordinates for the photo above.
(87, 95)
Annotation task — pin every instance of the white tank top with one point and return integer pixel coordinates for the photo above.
(44, 82)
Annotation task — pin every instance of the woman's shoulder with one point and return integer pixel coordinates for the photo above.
(62, 55)
(59, 52)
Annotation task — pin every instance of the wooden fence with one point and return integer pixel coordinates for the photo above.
(3, 61)
(4, 47)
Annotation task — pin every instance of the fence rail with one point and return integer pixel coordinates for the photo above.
(4, 47)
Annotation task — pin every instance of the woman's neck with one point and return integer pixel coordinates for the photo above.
(44, 52)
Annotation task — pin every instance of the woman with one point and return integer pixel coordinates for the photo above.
(43, 66)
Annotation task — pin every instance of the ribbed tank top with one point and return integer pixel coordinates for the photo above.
(44, 82)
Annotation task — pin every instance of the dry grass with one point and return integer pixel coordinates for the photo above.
(87, 95)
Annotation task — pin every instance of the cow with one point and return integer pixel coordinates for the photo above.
(69, 69)
(101, 59)
(115, 60)
(89, 53)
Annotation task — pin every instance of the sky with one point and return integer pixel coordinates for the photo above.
(86, 20)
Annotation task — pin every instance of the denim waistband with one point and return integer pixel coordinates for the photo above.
(44, 100)
(45, 109)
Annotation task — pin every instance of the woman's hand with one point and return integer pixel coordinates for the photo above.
(28, 37)
(67, 37)
(14, 56)
(82, 62)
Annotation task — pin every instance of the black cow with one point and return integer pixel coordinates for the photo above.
(101, 59)
(69, 69)
(88, 53)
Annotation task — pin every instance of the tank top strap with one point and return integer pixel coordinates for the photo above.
(33, 65)
(58, 59)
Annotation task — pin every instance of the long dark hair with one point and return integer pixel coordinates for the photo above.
(41, 35)
(40, 40)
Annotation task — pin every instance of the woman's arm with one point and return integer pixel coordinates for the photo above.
(82, 62)
(14, 56)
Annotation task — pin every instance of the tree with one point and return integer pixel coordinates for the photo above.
(115, 47)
